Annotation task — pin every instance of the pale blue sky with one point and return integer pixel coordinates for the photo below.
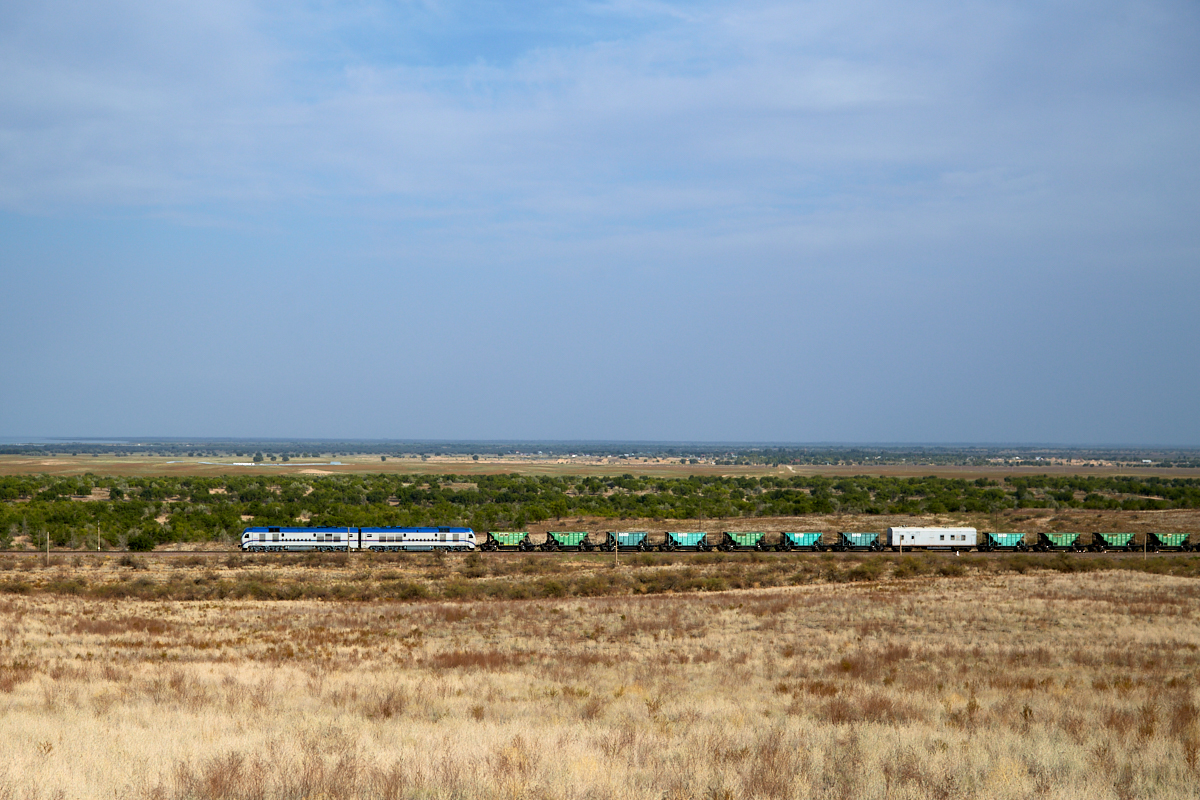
(823, 221)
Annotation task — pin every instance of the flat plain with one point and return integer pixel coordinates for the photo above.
(146, 466)
(221, 676)
(949, 683)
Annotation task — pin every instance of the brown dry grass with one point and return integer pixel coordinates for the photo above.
(416, 577)
(990, 686)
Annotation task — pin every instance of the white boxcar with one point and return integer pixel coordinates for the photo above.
(932, 538)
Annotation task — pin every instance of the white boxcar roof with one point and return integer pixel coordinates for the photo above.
(946, 538)
(921, 531)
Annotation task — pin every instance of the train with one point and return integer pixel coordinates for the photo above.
(379, 540)
(894, 539)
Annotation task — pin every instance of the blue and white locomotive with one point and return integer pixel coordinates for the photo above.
(379, 540)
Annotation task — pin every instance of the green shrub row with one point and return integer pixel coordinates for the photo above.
(167, 509)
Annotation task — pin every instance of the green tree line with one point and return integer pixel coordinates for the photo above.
(206, 508)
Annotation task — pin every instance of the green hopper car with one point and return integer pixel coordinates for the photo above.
(567, 540)
(507, 540)
(1061, 542)
(1103, 542)
(743, 540)
(1167, 541)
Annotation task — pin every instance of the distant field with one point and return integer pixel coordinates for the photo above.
(182, 466)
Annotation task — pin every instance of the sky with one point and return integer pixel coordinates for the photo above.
(705, 221)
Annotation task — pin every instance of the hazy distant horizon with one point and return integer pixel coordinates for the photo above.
(130, 440)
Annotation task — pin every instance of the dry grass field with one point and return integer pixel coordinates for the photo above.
(975, 684)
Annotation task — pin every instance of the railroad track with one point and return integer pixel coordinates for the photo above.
(592, 555)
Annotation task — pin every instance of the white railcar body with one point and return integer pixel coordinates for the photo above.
(296, 539)
(383, 540)
(932, 538)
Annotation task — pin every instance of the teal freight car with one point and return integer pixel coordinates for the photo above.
(689, 540)
(800, 541)
(990, 542)
(858, 541)
(626, 540)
